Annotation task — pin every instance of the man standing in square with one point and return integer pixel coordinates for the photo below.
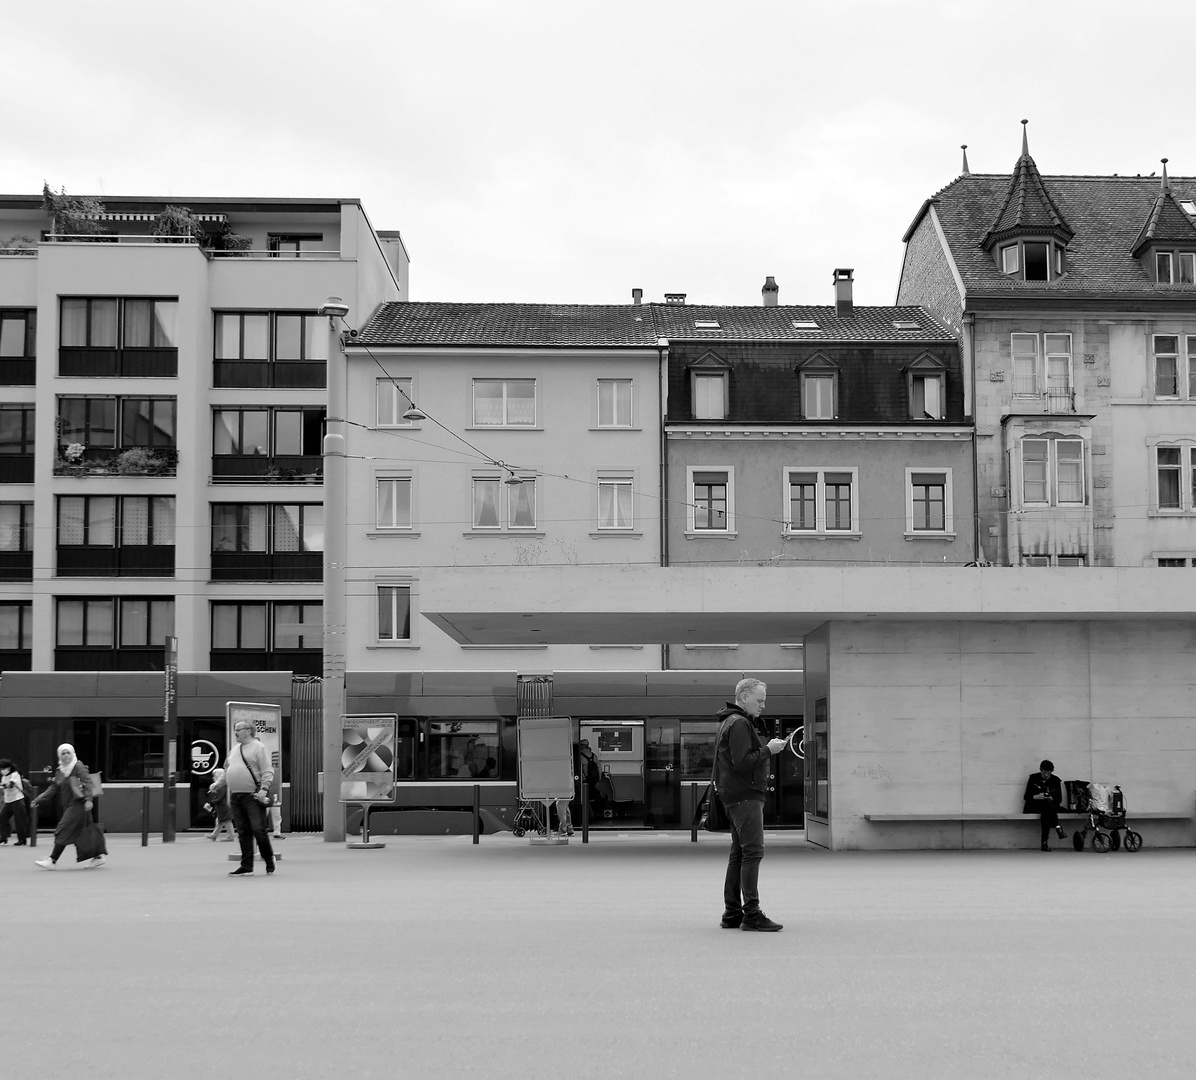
(248, 773)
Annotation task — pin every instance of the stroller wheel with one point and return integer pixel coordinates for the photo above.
(1115, 840)
(519, 830)
(1077, 840)
(1100, 842)
(1133, 840)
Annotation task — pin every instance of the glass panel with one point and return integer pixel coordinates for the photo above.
(1169, 477)
(803, 493)
(286, 528)
(139, 316)
(103, 324)
(163, 522)
(485, 504)
(70, 622)
(166, 317)
(288, 337)
(698, 739)
(313, 528)
(72, 420)
(1187, 267)
(226, 432)
(256, 344)
(487, 401)
(224, 626)
(315, 336)
(1162, 261)
(161, 624)
(463, 748)
(225, 526)
(99, 623)
(12, 624)
(521, 401)
(1025, 363)
(1069, 464)
(1036, 261)
(394, 504)
(101, 525)
(70, 520)
(288, 433)
(134, 622)
(838, 503)
(1166, 376)
(134, 521)
(523, 505)
(12, 336)
(74, 323)
(253, 626)
(101, 422)
(228, 336)
(1009, 262)
(12, 532)
(298, 626)
(1034, 470)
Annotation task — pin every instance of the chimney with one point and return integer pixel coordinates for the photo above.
(637, 296)
(674, 298)
(844, 309)
(770, 292)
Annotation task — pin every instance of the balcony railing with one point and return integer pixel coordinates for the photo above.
(134, 461)
(258, 469)
(1060, 399)
(267, 566)
(143, 560)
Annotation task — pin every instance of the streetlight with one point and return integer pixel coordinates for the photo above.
(335, 545)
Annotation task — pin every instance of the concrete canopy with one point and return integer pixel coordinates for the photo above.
(615, 605)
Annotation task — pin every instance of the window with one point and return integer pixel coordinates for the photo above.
(123, 535)
(1025, 364)
(270, 348)
(925, 382)
(112, 423)
(16, 626)
(1170, 477)
(293, 245)
(1174, 366)
(504, 402)
(710, 501)
(710, 395)
(1031, 260)
(104, 336)
(134, 751)
(394, 399)
(18, 347)
(1187, 267)
(16, 430)
(394, 613)
(1053, 371)
(112, 633)
(614, 403)
(1057, 351)
(929, 504)
(463, 749)
(1162, 267)
(492, 510)
(16, 525)
(615, 502)
(1010, 263)
(267, 541)
(819, 380)
(280, 443)
(819, 502)
(393, 502)
(268, 636)
(1053, 472)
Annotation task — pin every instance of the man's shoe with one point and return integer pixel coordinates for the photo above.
(270, 869)
(732, 920)
(1059, 830)
(46, 864)
(759, 921)
(1046, 846)
(241, 871)
(97, 861)
(20, 843)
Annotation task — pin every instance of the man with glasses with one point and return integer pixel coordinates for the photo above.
(248, 774)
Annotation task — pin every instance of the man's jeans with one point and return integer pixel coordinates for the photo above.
(741, 890)
(249, 819)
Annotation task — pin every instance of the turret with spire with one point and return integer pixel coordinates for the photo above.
(1028, 208)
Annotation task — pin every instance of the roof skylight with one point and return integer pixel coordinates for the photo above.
(906, 324)
(1189, 206)
(707, 324)
(805, 324)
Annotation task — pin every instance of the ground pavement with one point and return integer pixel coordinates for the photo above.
(436, 958)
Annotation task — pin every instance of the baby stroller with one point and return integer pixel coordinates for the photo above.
(529, 817)
(1105, 806)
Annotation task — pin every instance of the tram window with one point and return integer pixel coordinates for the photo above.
(697, 750)
(134, 752)
(463, 749)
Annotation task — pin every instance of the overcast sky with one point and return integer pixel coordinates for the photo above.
(566, 152)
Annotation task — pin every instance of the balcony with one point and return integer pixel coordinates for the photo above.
(1060, 399)
(141, 560)
(16, 565)
(264, 566)
(300, 661)
(77, 460)
(277, 374)
(1054, 399)
(16, 468)
(126, 363)
(99, 658)
(18, 371)
(262, 469)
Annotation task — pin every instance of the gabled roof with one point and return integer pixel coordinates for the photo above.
(677, 322)
(1028, 206)
(496, 325)
(482, 325)
(1106, 212)
(1167, 222)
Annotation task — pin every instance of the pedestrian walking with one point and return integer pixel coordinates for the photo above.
(248, 773)
(14, 808)
(217, 805)
(742, 765)
(70, 789)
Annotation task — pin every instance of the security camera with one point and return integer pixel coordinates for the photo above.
(354, 333)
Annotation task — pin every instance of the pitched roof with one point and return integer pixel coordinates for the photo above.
(410, 323)
(1167, 223)
(1106, 212)
(679, 322)
(480, 325)
(1028, 207)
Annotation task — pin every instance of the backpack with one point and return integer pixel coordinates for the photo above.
(27, 788)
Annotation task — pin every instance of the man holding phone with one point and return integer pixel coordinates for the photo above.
(742, 769)
(248, 773)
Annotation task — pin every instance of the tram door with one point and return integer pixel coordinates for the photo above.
(785, 805)
(662, 773)
(619, 747)
(201, 753)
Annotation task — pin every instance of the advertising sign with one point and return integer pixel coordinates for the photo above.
(368, 758)
(545, 757)
(268, 721)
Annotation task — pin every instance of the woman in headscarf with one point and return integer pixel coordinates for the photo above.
(71, 790)
(217, 806)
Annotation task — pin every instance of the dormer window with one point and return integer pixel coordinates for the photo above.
(1162, 267)
(1175, 267)
(1032, 260)
(819, 379)
(925, 382)
(710, 388)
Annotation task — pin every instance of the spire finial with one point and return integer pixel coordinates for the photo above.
(966, 170)
(1025, 140)
(1166, 186)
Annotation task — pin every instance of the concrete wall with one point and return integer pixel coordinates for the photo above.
(952, 718)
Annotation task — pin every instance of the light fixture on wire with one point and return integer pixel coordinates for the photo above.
(414, 413)
(512, 480)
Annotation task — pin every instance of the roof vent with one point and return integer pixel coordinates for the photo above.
(674, 298)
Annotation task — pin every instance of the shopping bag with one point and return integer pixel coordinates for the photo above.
(91, 842)
(715, 818)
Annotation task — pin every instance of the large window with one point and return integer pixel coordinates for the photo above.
(929, 503)
(504, 402)
(1031, 259)
(614, 403)
(270, 348)
(393, 502)
(1173, 358)
(499, 505)
(16, 541)
(112, 633)
(268, 636)
(1042, 367)
(819, 380)
(18, 347)
(464, 749)
(129, 535)
(395, 398)
(275, 444)
(104, 426)
(1175, 477)
(616, 502)
(129, 336)
(711, 501)
(1053, 472)
(394, 613)
(16, 634)
(267, 541)
(820, 502)
(1175, 267)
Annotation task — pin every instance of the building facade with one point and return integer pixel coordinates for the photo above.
(1074, 300)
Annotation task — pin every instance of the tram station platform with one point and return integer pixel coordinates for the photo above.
(435, 957)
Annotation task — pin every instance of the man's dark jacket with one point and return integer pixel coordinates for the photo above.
(1037, 785)
(742, 761)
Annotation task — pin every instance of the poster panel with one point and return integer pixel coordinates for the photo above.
(546, 757)
(368, 758)
(268, 721)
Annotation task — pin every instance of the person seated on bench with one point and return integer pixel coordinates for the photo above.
(1044, 796)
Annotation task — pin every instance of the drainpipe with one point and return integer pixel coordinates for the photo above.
(662, 377)
(969, 342)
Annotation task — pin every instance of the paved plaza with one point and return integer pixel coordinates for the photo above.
(436, 958)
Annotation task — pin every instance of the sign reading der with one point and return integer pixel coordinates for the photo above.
(268, 721)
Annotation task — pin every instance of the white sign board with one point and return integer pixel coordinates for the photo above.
(267, 719)
(546, 758)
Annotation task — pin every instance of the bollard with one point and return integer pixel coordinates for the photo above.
(585, 813)
(145, 803)
(477, 811)
(33, 824)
